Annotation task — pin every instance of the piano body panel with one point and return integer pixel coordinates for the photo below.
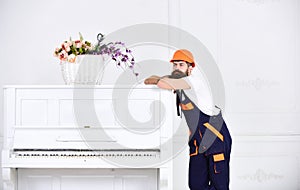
(78, 106)
(81, 138)
(42, 130)
(107, 179)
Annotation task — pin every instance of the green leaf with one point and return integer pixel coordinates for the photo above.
(81, 38)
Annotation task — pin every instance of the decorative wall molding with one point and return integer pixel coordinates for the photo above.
(261, 176)
(259, 2)
(257, 83)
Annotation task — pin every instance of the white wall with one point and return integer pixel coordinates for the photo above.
(255, 44)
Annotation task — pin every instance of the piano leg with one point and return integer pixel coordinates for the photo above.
(9, 176)
(165, 178)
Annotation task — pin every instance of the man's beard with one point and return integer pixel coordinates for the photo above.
(177, 74)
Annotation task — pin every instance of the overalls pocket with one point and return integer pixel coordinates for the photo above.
(219, 163)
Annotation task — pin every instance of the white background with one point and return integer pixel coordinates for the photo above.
(255, 44)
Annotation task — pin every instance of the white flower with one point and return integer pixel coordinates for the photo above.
(71, 58)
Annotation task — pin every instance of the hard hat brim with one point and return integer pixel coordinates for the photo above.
(173, 60)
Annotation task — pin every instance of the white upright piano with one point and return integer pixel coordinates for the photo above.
(87, 137)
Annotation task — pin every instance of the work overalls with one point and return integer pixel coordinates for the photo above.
(210, 147)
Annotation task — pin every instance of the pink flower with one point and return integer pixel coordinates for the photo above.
(63, 55)
(78, 44)
(66, 46)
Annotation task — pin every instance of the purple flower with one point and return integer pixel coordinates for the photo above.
(117, 51)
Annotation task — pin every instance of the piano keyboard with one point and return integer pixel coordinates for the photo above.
(67, 153)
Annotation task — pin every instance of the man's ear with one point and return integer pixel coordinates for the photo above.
(190, 70)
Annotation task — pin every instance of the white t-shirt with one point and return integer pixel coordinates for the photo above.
(200, 93)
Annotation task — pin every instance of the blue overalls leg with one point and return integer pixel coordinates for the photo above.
(210, 147)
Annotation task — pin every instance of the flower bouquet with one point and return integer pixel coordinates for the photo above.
(83, 63)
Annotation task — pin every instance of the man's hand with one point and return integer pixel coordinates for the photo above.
(152, 80)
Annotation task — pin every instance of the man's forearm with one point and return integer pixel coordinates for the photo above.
(167, 82)
(154, 79)
(173, 84)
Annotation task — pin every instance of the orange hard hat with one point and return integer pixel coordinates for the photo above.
(183, 55)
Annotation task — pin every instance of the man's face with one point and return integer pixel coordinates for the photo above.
(181, 66)
(180, 69)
